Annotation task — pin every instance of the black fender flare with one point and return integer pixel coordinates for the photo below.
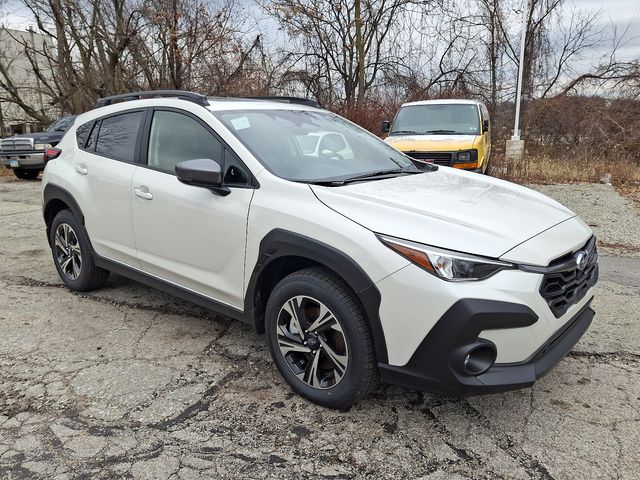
(54, 192)
(283, 243)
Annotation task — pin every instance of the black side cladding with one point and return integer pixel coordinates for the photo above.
(52, 193)
(283, 243)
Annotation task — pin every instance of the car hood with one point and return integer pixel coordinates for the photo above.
(448, 208)
(431, 143)
(41, 137)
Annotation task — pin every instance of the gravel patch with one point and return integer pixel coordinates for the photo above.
(614, 218)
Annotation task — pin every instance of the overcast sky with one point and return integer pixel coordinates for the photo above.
(622, 13)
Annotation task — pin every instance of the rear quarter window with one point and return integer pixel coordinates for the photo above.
(82, 133)
(118, 135)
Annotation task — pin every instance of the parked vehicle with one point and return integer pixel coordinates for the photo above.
(356, 268)
(452, 133)
(24, 153)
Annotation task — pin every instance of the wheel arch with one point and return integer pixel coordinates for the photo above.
(282, 252)
(55, 199)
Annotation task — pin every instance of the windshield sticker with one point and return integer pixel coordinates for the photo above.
(240, 123)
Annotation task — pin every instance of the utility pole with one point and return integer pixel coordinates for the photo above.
(515, 147)
(523, 41)
(360, 49)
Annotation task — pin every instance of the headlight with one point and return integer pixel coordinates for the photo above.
(467, 156)
(445, 264)
(41, 146)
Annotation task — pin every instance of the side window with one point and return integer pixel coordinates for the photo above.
(175, 138)
(235, 173)
(118, 134)
(82, 132)
(485, 113)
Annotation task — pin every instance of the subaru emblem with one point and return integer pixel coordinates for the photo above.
(581, 260)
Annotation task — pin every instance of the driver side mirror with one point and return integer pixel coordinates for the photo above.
(485, 126)
(386, 126)
(204, 173)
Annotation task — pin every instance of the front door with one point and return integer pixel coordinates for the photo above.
(189, 235)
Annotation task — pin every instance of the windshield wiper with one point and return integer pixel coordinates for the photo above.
(379, 174)
(404, 132)
(450, 132)
(339, 181)
(376, 174)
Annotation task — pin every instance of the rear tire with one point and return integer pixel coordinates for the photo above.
(320, 339)
(26, 174)
(71, 249)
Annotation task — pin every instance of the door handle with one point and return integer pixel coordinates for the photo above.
(81, 169)
(143, 192)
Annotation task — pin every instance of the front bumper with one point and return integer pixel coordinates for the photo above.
(437, 366)
(18, 159)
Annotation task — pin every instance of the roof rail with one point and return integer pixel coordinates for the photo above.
(299, 100)
(189, 96)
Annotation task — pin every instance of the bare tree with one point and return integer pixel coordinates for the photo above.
(101, 47)
(341, 44)
(609, 72)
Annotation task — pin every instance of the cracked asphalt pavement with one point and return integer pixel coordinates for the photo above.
(128, 382)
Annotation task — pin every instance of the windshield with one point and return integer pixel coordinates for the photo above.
(312, 146)
(61, 125)
(451, 118)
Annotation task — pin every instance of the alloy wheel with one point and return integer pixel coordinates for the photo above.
(68, 252)
(312, 342)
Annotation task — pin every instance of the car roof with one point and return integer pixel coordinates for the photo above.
(215, 104)
(236, 103)
(444, 101)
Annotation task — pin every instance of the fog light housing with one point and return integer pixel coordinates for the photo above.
(474, 358)
(479, 358)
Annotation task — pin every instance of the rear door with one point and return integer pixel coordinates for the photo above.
(103, 170)
(185, 234)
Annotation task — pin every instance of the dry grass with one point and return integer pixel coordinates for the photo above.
(625, 172)
(5, 172)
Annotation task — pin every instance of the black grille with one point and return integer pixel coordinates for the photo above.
(565, 283)
(439, 158)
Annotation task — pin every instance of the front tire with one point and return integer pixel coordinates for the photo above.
(26, 174)
(70, 248)
(319, 338)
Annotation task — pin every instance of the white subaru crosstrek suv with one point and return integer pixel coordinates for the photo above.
(358, 268)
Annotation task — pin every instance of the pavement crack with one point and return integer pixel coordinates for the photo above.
(225, 329)
(606, 357)
(200, 405)
(32, 282)
(153, 319)
(527, 461)
(167, 309)
(20, 213)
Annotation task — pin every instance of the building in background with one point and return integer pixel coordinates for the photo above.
(20, 70)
